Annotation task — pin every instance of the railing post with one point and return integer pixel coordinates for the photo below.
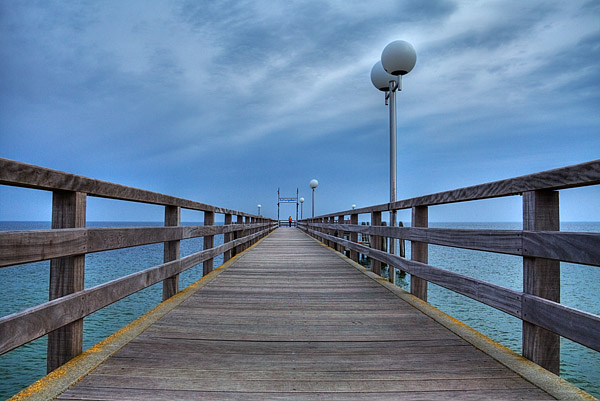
(238, 234)
(541, 277)
(354, 237)
(376, 242)
(341, 248)
(171, 252)
(67, 275)
(419, 251)
(227, 237)
(209, 242)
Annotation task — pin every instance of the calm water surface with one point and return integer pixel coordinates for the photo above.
(28, 286)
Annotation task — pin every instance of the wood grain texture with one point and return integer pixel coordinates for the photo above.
(22, 327)
(67, 276)
(541, 277)
(376, 242)
(227, 237)
(277, 324)
(419, 252)
(573, 247)
(570, 323)
(18, 247)
(171, 252)
(578, 175)
(29, 176)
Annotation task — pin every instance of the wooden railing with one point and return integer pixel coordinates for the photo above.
(67, 243)
(540, 244)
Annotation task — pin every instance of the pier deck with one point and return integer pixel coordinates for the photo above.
(291, 319)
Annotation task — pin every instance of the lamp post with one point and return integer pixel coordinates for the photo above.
(301, 208)
(353, 207)
(397, 59)
(313, 184)
(259, 206)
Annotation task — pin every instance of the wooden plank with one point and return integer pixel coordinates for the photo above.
(581, 248)
(227, 237)
(376, 242)
(67, 276)
(29, 176)
(419, 252)
(354, 237)
(578, 175)
(576, 325)
(209, 242)
(171, 252)
(541, 277)
(573, 247)
(290, 331)
(22, 327)
(18, 247)
(501, 298)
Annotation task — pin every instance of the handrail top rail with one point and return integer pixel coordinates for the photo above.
(19, 174)
(577, 175)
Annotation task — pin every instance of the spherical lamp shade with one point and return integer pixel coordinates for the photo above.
(301, 200)
(259, 206)
(314, 183)
(380, 78)
(398, 57)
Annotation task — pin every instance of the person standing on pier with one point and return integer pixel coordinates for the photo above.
(290, 221)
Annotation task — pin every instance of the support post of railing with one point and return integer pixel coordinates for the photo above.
(238, 234)
(376, 242)
(341, 248)
(419, 252)
(354, 237)
(209, 242)
(171, 252)
(67, 275)
(541, 277)
(227, 237)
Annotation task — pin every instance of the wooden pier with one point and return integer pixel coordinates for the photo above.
(291, 319)
(288, 317)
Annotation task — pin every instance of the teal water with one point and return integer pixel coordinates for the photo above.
(28, 286)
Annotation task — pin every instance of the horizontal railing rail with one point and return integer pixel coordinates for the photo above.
(541, 245)
(69, 240)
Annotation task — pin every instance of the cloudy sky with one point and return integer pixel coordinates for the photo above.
(224, 102)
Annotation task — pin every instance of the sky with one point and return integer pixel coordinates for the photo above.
(225, 102)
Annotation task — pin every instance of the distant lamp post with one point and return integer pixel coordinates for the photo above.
(353, 207)
(259, 206)
(397, 59)
(301, 208)
(313, 184)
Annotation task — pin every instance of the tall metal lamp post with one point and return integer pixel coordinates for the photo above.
(397, 59)
(301, 208)
(313, 184)
(259, 206)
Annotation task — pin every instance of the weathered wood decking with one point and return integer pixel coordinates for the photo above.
(291, 319)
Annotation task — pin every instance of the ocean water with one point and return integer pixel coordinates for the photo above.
(28, 286)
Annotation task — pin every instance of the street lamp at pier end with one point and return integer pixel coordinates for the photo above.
(313, 184)
(397, 59)
(259, 206)
(301, 208)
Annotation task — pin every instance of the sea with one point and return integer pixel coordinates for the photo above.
(26, 285)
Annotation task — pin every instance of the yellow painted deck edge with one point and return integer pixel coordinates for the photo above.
(52, 385)
(547, 381)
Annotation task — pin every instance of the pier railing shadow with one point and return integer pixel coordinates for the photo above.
(540, 243)
(69, 240)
